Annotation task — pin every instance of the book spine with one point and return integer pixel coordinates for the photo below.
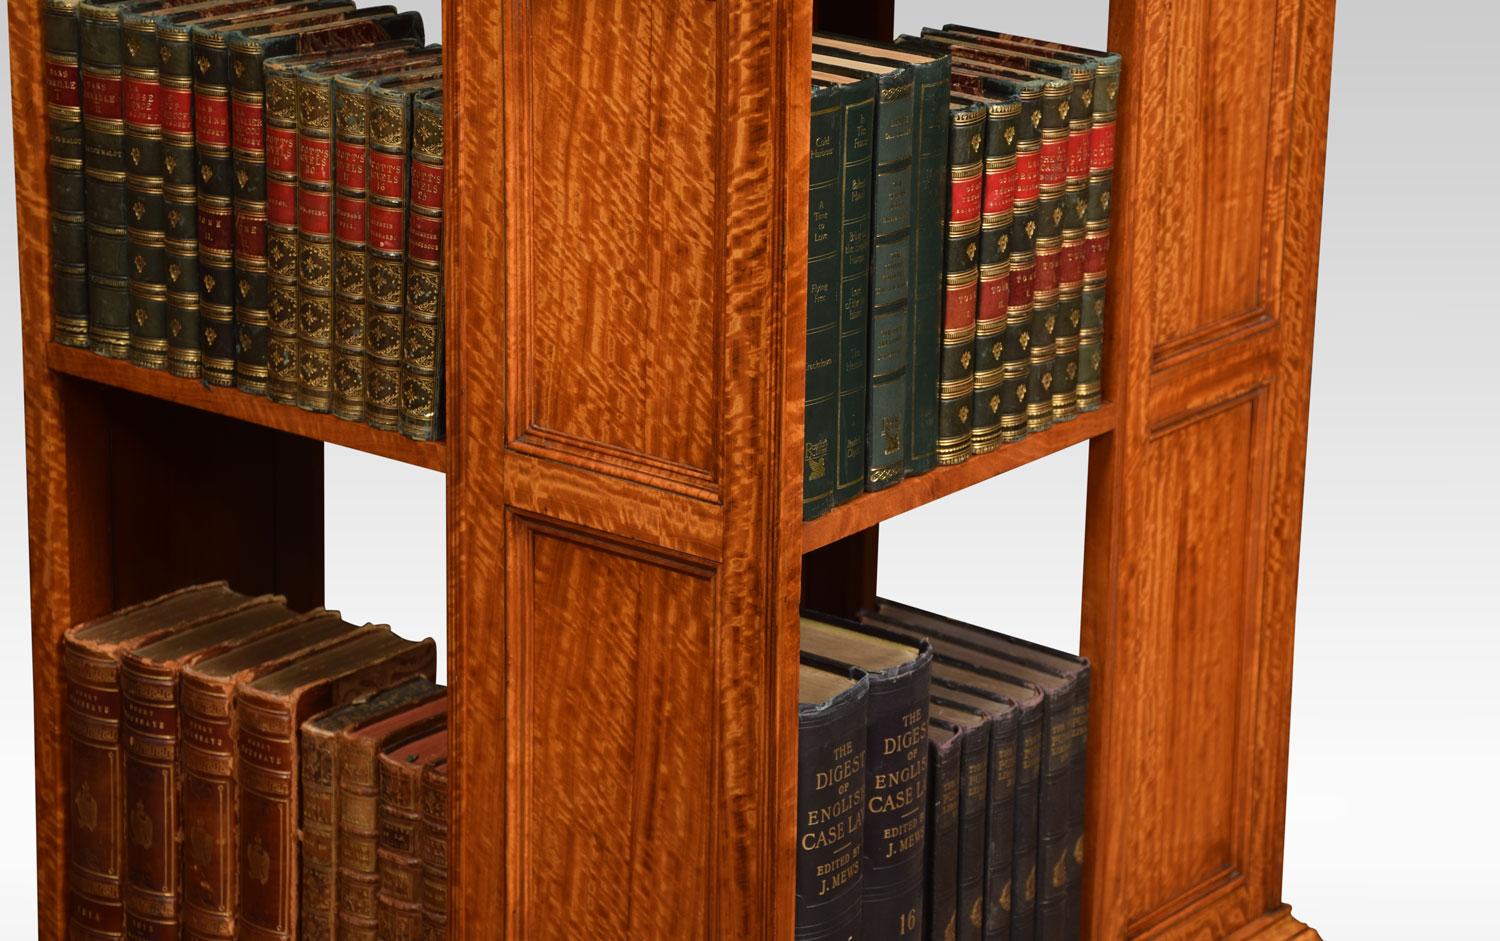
(385, 239)
(319, 843)
(854, 290)
(215, 206)
(1024, 875)
(1078, 729)
(1054, 850)
(65, 188)
(96, 839)
(179, 164)
(359, 833)
(146, 237)
(104, 179)
(252, 277)
(832, 773)
(1041, 398)
(973, 815)
(152, 901)
(896, 804)
(943, 790)
(314, 243)
(210, 834)
(960, 284)
(422, 343)
(1070, 267)
(999, 850)
(399, 903)
(825, 226)
(995, 343)
(929, 199)
(267, 809)
(350, 258)
(281, 233)
(1096, 239)
(889, 396)
(432, 844)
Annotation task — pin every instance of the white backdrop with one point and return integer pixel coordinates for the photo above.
(1394, 743)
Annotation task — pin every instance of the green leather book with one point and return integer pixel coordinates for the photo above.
(825, 225)
(70, 302)
(889, 350)
(422, 344)
(108, 262)
(960, 279)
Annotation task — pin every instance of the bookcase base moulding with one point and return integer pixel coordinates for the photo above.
(626, 200)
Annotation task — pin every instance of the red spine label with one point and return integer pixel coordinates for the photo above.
(249, 236)
(142, 102)
(101, 96)
(249, 127)
(1053, 167)
(214, 223)
(1070, 268)
(426, 186)
(315, 213)
(350, 211)
(212, 116)
(1079, 154)
(1028, 175)
(281, 150)
(350, 166)
(1021, 281)
(1096, 252)
(958, 305)
(384, 232)
(1045, 281)
(62, 85)
(281, 202)
(387, 175)
(315, 160)
(993, 297)
(424, 240)
(177, 110)
(1000, 189)
(965, 197)
(1102, 139)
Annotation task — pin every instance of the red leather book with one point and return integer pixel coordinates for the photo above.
(399, 908)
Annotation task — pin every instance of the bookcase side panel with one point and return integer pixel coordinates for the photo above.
(1195, 499)
(625, 341)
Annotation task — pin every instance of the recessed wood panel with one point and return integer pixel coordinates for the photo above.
(625, 236)
(1190, 645)
(617, 805)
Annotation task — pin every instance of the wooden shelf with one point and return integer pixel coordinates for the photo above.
(872, 508)
(232, 403)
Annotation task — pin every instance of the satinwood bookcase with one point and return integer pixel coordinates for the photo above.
(625, 298)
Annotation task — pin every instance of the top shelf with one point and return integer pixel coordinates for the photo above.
(232, 403)
(872, 508)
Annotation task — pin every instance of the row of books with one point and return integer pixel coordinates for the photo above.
(250, 193)
(958, 241)
(940, 781)
(240, 770)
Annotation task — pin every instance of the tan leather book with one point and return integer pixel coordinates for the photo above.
(399, 905)
(432, 847)
(270, 711)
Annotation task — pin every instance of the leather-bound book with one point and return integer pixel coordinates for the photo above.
(832, 712)
(1064, 675)
(389, 126)
(422, 328)
(148, 682)
(888, 357)
(70, 302)
(898, 670)
(972, 793)
(825, 226)
(432, 849)
(944, 771)
(356, 867)
(966, 156)
(95, 755)
(928, 212)
(270, 710)
(210, 812)
(320, 792)
(402, 767)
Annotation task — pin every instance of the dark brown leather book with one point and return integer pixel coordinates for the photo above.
(210, 821)
(432, 849)
(95, 759)
(832, 709)
(399, 906)
(358, 819)
(898, 670)
(270, 710)
(320, 790)
(148, 682)
(973, 730)
(945, 752)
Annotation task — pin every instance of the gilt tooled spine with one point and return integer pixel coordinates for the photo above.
(1041, 399)
(889, 396)
(832, 770)
(145, 193)
(350, 365)
(266, 782)
(1054, 850)
(95, 850)
(423, 326)
(179, 164)
(215, 205)
(896, 804)
(999, 853)
(824, 231)
(856, 183)
(65, 161)
(945, 763)
(359, 834)
(399, 902)
(104, 179)
(432, 846)
(319, 845)
(960, 283)
(1003, 163)
(210, 836)
(153, 909)
(929, 197)
(252, 288)
(1070, 268)
(314, 244)
(1096, 246)
(281, 232)
(389, 130)
(1078, 728)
